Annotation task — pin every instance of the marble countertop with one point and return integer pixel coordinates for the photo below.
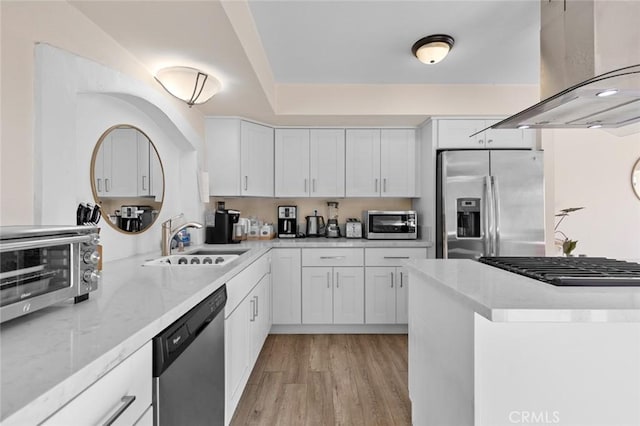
(49, 356)
(502, 296)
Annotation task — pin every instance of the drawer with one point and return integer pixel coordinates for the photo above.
(104, 399)
(392, 256)
(241, 285)
(333, 257)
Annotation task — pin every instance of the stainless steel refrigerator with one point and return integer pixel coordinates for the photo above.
(490, 203)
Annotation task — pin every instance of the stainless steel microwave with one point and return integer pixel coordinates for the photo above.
(390, 225)
(40, 266)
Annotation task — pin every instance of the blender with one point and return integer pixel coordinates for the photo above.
(332, 229)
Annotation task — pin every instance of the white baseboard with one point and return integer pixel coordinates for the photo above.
(339, 329)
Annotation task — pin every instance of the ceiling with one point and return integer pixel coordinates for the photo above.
(309, 43)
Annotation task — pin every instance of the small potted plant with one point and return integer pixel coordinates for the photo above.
(568, 245)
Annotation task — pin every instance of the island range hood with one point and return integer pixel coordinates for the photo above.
(593, 49)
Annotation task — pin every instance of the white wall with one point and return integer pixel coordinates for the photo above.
(592, 168)
(23, 24)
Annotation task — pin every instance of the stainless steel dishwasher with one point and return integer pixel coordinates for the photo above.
(188, 366)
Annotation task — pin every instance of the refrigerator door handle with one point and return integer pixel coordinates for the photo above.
(487, 221)
(495, 195)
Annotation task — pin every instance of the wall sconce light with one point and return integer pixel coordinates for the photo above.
(188, 84)
(432, 49)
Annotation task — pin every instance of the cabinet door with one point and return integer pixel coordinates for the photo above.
(317, 295)
(287, 286)
(222, 137)
(258, 317)
(237, 349)
(362, 163)
(144, 177)
(398, 162)
(455, 134)
(292, 163)
(348, 295)
(124, 164)
(103, 156)
(381, 295)
(156, 188)
(327, 163)
(402, 301)
(256, 159)
(509, 138)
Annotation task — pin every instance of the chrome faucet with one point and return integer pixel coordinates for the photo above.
(168, 233)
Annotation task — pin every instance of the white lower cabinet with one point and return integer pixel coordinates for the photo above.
(247, 324)
(146, 419)
(332, 295)
(386, 295)
(120, 397)
(286, 280)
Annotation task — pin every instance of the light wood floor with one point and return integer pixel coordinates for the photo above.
(328, 380)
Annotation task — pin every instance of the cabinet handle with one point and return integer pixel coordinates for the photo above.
(384, 185)
(253, 310)
(391, 279)
(396, 257)
(401, 279)
(305, 185)
(489, 140)
(257, 305)
(314, 184)
(332, 257)
(99, 188)
(337, 279)
(480, 141)
(246, 183)
(106, 185)
(328, 279)
(144, 183)
(375, 185)
(126, 400)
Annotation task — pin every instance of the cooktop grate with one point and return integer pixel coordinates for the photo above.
(571, 271)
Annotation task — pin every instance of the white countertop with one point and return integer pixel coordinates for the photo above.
(49, 356)
(503, 296)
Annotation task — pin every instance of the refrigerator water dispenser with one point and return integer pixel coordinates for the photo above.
(468, 217)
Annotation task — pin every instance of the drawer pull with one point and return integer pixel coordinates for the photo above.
(332, 257)
(401, 279)
(397, 257)
(253, 309)
(126, 400)
(392, 279)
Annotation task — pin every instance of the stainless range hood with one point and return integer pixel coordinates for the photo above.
(593, 48)
(609, 100)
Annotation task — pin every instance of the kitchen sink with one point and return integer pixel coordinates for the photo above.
(198, 258)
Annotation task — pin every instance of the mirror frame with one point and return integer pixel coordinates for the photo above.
(635, 183)
(94, 190)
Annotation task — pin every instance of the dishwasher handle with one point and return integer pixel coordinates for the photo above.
(173, 340)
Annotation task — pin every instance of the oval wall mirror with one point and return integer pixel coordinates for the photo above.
(635, 178)
(127, 179)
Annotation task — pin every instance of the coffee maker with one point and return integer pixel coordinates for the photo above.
(222, 231)
(287, 221)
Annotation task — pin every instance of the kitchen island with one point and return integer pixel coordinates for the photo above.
(489, 347)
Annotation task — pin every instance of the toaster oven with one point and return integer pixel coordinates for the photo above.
(390, 225)
(40, 266)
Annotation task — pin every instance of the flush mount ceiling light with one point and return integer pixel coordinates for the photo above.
(432, 49)
(188, 84)
(607, 93)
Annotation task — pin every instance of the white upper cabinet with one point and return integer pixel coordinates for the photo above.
(144, 177)
(398, 162)
(309, 163)
(256, 164)
(380, 163)
(363, 163)
(124, 164)
(455, 133)
(292, 162)
(240, 157)
(326, 162)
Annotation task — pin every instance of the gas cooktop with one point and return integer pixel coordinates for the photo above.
(571, 271)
